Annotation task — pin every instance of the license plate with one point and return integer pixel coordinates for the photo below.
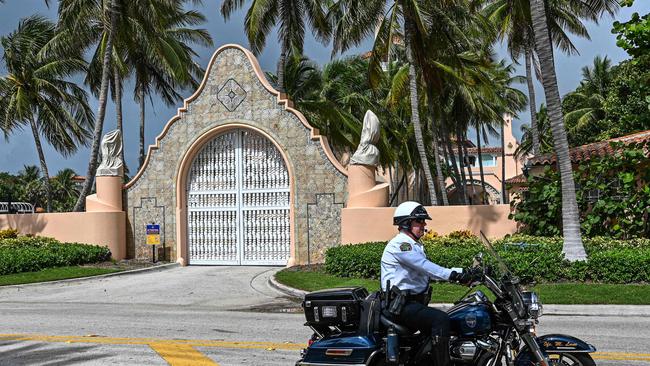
(329, 311)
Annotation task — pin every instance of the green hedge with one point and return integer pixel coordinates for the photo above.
(28, 254)
(540, 258)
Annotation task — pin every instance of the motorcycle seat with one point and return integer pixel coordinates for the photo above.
(399, 329)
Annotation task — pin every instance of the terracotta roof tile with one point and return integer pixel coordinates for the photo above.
(486, 150)
(586, 152)
(517, 179)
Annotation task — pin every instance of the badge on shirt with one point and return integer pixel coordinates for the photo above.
(405, 247)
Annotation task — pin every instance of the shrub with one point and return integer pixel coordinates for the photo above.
(430, 235)
(622, 265)
(461, 234)
(8, 234)
(613, 196)
(25, 254)
(538, 258)
(358, 260)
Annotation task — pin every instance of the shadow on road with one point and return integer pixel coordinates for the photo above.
(280, 305)
(20, 353)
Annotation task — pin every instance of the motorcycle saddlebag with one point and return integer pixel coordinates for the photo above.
(337, 307)
(344, 350)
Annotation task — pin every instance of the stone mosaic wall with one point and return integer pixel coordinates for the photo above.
(234, 94)
(324, 226)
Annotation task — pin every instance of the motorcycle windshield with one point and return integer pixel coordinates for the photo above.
(502, 265)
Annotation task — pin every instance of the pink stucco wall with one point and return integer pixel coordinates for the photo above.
(100, 228)
(360, 225)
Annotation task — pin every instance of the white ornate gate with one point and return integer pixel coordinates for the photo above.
(238, 202)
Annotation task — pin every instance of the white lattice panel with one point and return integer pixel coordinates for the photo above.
(238, 202)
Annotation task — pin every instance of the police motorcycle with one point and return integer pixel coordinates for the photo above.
(352, 327)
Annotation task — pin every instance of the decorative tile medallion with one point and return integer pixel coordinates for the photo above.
(231, 95)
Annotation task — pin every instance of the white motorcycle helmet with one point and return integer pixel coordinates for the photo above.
(407, 211)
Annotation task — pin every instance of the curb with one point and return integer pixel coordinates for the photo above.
(162, 267)
(549, 310)
(290, 291)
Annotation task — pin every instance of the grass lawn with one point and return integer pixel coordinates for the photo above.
(53, 274)
(551, 293)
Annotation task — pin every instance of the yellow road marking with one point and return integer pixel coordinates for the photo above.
(146, 341)
(184, 347)
(618, 353)
(181, 355)
(621, 356)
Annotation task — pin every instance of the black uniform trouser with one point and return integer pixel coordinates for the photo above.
(430, 321)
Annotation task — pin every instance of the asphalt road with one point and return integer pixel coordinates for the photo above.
(208, 316)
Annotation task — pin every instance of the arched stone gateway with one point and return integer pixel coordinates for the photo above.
(237, 176)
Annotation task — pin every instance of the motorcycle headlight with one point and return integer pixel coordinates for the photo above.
(534, 305)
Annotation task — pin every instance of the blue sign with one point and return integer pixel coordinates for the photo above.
(153, 229)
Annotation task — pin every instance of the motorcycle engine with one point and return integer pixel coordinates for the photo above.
(465, 350)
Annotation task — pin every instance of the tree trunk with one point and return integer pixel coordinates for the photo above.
(142, 106)
(415, 114)
(504, 195)
(41, 158)
(118, 111)
(461, 160)
(573, 247)
(445, 155)
(436, 151)
(454, 166)
(281, 65)
(101, 112)
(532, 103)
(439, 175)
(480, 164)
(469, 171)
(396, 193)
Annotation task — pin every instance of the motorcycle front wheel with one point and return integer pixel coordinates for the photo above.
(526, 359)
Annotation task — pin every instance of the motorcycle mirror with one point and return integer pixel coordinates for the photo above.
(478, 260)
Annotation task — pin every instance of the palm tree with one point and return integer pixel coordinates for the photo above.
(525, 148)
(573, 247)
(152, 40)
(65, 190)
(92, 22)
(161, 57)
(415, 23)
(31, 186)
(585, 106)
(513, 20)
(35, 92)
(290, 15)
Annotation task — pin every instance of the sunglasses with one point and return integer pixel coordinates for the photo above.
(419, 221)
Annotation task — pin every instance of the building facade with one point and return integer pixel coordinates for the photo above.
(493, 162)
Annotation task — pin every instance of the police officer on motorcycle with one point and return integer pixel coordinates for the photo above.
(406, 269)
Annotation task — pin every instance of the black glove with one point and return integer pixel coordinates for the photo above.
(464, 278)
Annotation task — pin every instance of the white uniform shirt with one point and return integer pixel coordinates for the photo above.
(406, 266)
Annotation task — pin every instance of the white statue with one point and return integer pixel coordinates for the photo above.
(111, 164)
(367, 153)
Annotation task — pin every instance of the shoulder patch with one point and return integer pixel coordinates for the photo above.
(405, 247)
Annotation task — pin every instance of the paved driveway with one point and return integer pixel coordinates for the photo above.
(217, 287)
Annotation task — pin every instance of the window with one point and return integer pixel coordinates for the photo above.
(488, 160)
(472, 161)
